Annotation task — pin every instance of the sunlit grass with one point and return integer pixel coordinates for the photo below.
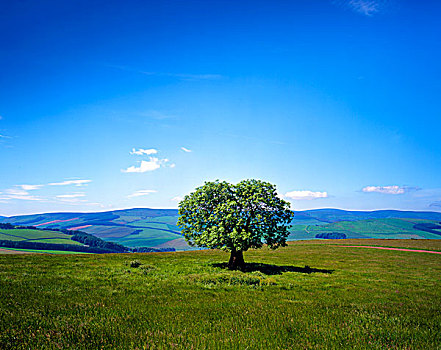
(306, 295)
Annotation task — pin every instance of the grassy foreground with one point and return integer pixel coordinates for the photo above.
(343, 298)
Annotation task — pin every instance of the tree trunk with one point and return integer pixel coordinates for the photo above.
(236, 260)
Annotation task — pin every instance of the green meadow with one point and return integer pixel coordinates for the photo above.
(42, 236)
(309, 295)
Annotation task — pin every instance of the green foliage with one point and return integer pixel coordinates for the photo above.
(135, 263)
(53, 246)
(97, 242)
(220, 215)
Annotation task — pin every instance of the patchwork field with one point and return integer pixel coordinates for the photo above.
(36, 236)
(157, 227)
(311, 294)
(36, 251)
(391, 228)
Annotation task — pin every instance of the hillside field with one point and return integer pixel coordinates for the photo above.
(311, 294)
(391, 228)
(143, 227)
(41, 236)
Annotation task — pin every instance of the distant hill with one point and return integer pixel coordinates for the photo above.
(143, 227)
(389, 228)
(324, 216)
(138, 227)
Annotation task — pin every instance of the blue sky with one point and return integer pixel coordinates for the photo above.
(120, 104)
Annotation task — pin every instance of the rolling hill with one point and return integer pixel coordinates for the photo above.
(390, 228)
(36, 236)
(143, 227)
(132, 227)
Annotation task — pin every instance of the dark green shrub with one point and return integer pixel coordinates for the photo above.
(135, 263)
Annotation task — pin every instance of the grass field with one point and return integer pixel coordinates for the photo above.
(306, 295)
(390, 228)
(39, 251)
(42, 236)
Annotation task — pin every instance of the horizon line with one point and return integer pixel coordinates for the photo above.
(165, 208)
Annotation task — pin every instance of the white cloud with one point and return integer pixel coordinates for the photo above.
(19, 193)
(16, 193)
(30, 187)
(150, 165)
(305, 195)
(385, 189)
(141, 193)
(70, 182)
(73, 195)
(177, 199)
(4, 136)
(142, 151)
(73, 200)
(26, 198)
(186, 150)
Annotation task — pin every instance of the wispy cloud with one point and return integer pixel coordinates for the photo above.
(16, 192)
(186, 150)
(26, 198)
(5, 137)
(73, 195)
(141, 193)
(19, 193)
(71, 182)
(436, 204)
(305, 195)
(177, 199)
(142, 151)
(185, 76)
(364, 7)
(74, 198)
(385, 189)
(30, 187)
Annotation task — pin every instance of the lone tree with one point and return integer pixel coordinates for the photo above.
(235, 218)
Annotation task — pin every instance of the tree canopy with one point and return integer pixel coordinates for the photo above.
(235, 218)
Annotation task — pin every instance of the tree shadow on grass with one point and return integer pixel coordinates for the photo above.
(268, 269)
